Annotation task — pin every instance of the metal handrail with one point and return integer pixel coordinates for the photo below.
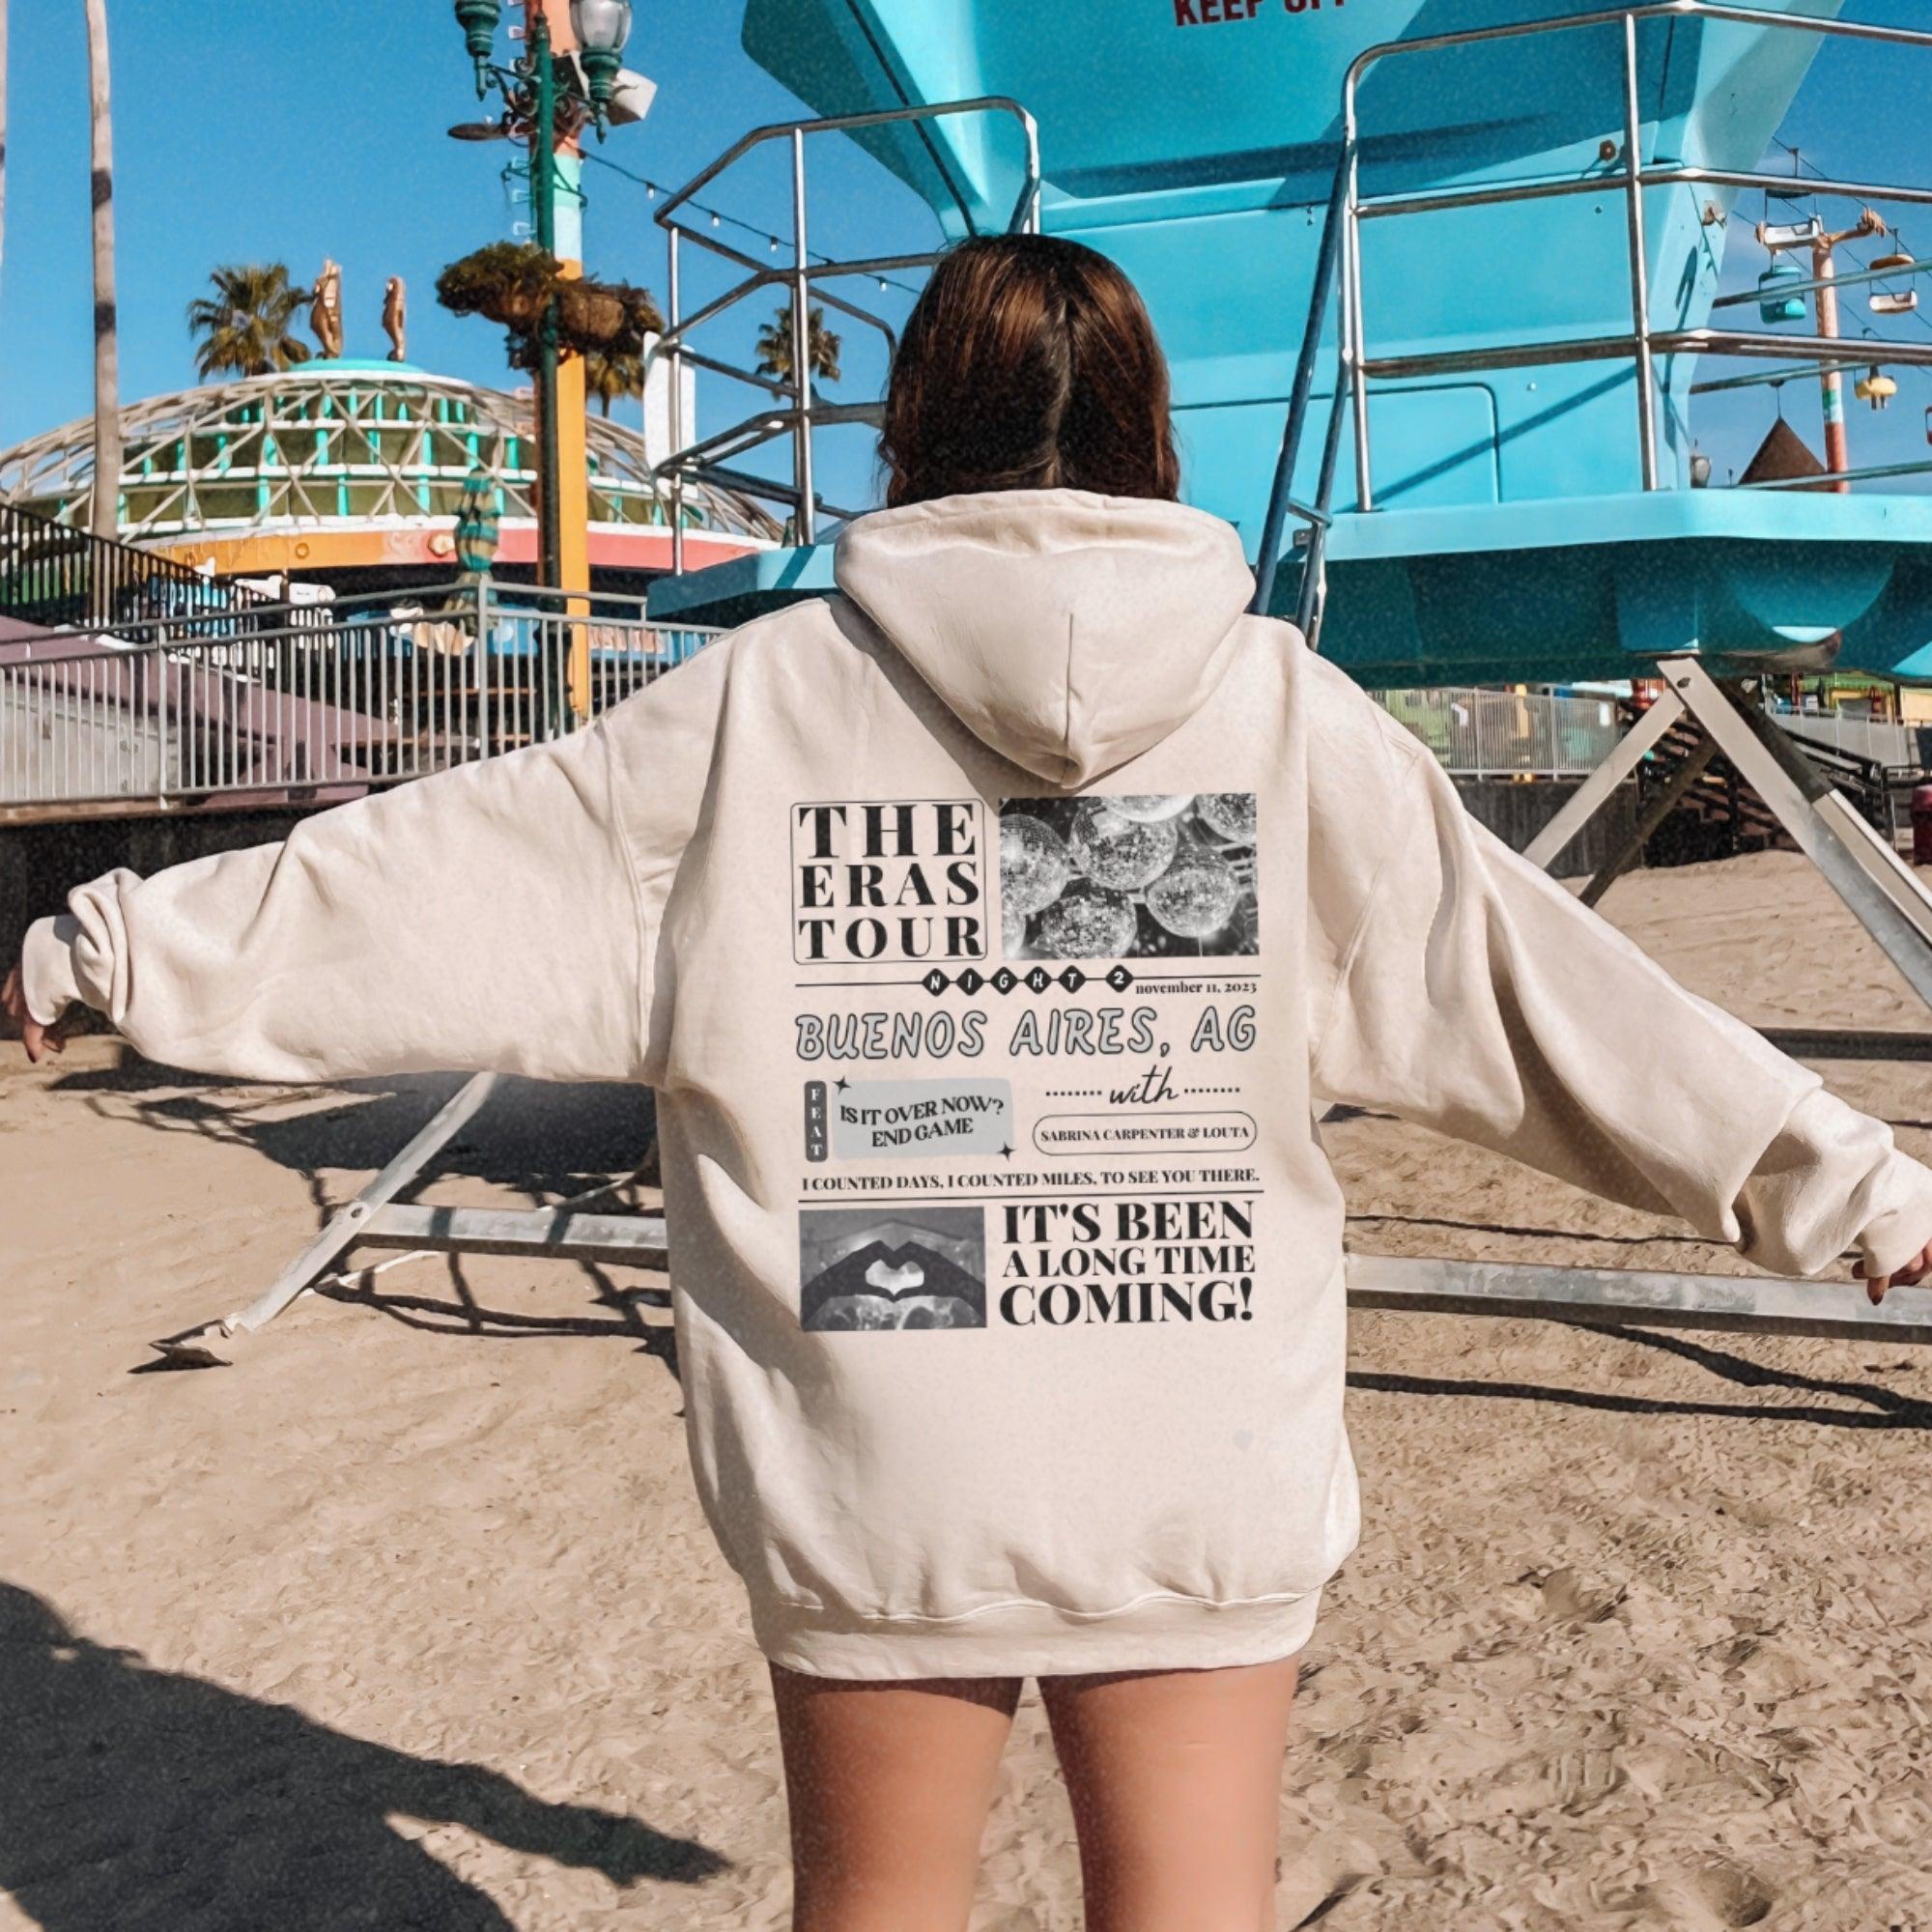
(846, 124)
(1825, 479)
(762, 274)
(1740, 298)
(1339, 250)
(1777, 377)
(798, 416)
(55, 576)
(1662, 342)
(1888, 743)
(1681, 175)
(267, 616)
(311, 703)
(1642, 344)
(1280, 499)
(1480, 733)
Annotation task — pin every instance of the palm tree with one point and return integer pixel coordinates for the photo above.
(774, 346)
(609, 374)
(244, 325)
(106, 513)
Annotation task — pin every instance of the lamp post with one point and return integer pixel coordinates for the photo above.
(538, 93)
(602, 27)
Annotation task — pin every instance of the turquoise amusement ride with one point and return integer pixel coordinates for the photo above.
(1288, 184)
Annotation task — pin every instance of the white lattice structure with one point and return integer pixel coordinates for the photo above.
(346, 448)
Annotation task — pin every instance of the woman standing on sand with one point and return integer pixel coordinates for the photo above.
(989, 931)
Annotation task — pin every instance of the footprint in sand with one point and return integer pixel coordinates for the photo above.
(1713, 1897)
(1573, 1781)
(1568, 1597)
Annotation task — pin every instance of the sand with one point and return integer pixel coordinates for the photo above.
(409, 1618)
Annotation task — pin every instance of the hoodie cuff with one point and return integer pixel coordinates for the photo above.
(47, 975)
(1831, 1179)
(1902, 1227)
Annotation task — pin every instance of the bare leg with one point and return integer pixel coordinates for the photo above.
(1175, 1782)
(889, 1786)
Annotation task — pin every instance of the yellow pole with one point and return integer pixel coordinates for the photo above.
(573, 460)
(573, 495)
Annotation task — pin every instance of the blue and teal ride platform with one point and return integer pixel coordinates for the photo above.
(1499, 509)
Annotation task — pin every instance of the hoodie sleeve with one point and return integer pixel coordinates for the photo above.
(1479, 997)
(488, 919)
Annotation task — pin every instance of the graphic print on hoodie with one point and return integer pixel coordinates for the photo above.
(1121, 920)
(1103, 946)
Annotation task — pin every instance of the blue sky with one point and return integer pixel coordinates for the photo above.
(1865, 114)
(290, 130)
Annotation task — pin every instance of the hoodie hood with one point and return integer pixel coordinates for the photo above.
(1069, 632)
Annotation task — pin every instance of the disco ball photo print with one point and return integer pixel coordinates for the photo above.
(1139, 876)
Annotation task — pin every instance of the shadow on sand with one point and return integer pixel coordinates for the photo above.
(461, 1313)
(135, 1798)
(547, 1142)
(1884, 1408)
(533, 1135)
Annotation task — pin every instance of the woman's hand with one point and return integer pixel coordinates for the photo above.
(1914, 1270)
(39, 1040)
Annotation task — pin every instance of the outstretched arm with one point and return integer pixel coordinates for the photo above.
(1478, 997)
(485, 919)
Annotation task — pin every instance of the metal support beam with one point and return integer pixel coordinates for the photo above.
(345, 1229)
(1669, 795)
(1828, 1043)
(1589, 798)
(1612, 1297)
(1281, 493)
(1882, 892)
(620, 1240)
(1888, 900)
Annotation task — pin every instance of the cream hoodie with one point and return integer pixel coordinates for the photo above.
(992, 935)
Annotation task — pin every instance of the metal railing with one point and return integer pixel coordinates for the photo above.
(314, 702)
(1339, 261)
(1643, 343)
(56, 577)
(1478, 733)
(1877, 740)
(795, 410)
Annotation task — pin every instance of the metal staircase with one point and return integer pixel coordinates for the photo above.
(1719, 816)
(56, 577)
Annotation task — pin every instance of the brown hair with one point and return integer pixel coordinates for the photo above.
(1028, 363)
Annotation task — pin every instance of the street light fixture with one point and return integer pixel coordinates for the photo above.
(601, 27)
(545, 97)
(478, 20)
(586, 83)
